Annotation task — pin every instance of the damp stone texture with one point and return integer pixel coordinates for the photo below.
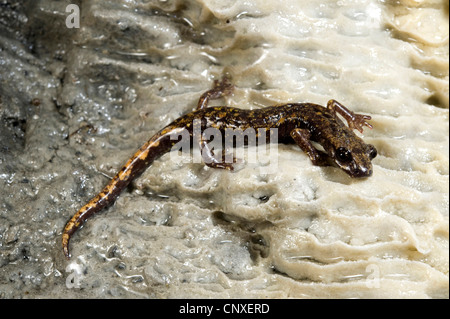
(83, 84)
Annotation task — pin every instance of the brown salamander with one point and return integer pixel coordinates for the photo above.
(303, 123)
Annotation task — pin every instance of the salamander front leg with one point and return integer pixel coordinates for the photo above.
(354, 120)
(302, 138)
(210, 159)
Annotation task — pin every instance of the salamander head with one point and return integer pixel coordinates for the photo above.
(354, 158)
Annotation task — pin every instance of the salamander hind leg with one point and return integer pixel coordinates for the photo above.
(354, 120)
(302, 138)
(220, 89)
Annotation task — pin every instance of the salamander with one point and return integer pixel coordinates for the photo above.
(303, 123)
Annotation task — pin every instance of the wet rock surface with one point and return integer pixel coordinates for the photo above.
(75, 103)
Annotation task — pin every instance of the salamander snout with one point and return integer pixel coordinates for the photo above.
(357, 162)
(357, 170)
(363, 171)
(362, 166)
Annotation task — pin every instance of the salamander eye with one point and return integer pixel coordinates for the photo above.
(343, 155)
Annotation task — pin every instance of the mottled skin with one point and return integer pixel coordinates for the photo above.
(302, 122)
